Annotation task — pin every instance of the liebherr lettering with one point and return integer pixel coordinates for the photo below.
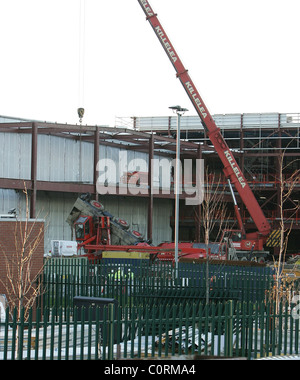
(166, 43)
(197, 101)
(235, 169)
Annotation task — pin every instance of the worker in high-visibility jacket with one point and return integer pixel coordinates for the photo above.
(109, 283)
(130, 275)
(119, 274)
(110, 274)
(130, 280)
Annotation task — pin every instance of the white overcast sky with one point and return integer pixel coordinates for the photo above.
(243, 56)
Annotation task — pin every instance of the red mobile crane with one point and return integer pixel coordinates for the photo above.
(247, 241)
(101, 235)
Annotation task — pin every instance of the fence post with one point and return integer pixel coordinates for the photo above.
(229, 329)
(110, 331)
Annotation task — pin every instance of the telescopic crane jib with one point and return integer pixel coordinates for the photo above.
(231, 169)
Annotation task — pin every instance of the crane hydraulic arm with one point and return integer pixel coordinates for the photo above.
(231, 168)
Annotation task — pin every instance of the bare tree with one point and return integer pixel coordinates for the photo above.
(212, 215)
(21, 281)
(20, 284)
(287, 213)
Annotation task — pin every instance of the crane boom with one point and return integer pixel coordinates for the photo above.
(231, 168)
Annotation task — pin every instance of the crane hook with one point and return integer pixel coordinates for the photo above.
(80, 114)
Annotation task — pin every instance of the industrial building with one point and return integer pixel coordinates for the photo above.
(57, 162)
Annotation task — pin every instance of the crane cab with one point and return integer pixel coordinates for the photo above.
(83, 228)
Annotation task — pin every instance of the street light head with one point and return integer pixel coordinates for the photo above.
(178, 109)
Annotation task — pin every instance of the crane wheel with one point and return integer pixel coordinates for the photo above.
(137, 234)
(97, 205)
(122, 223)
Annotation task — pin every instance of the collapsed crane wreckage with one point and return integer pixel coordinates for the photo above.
(98, 232)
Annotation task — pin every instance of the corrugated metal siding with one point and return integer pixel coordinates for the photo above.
(124, 161)
(10, 199)
(58, 160)
(68, 160)
(114, 154)
(64, 160)
(54, 209)
(162, 212)
(15, 155)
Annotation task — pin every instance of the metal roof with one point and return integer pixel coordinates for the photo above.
(227, 121)
(122, 138)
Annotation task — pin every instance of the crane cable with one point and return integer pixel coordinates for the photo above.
(81, 59)
(81, 71)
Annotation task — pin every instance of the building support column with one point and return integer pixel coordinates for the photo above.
(34, 135)
(242, 160)
(150, 188)
(198, 207)
(279, 168)
(96, 160)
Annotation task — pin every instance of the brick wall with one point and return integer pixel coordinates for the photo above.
(11, 232)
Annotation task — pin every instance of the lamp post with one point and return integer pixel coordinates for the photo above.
(179, 111)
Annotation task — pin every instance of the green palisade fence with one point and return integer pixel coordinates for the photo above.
(153, 314)
(151, 285)
(248, 330)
